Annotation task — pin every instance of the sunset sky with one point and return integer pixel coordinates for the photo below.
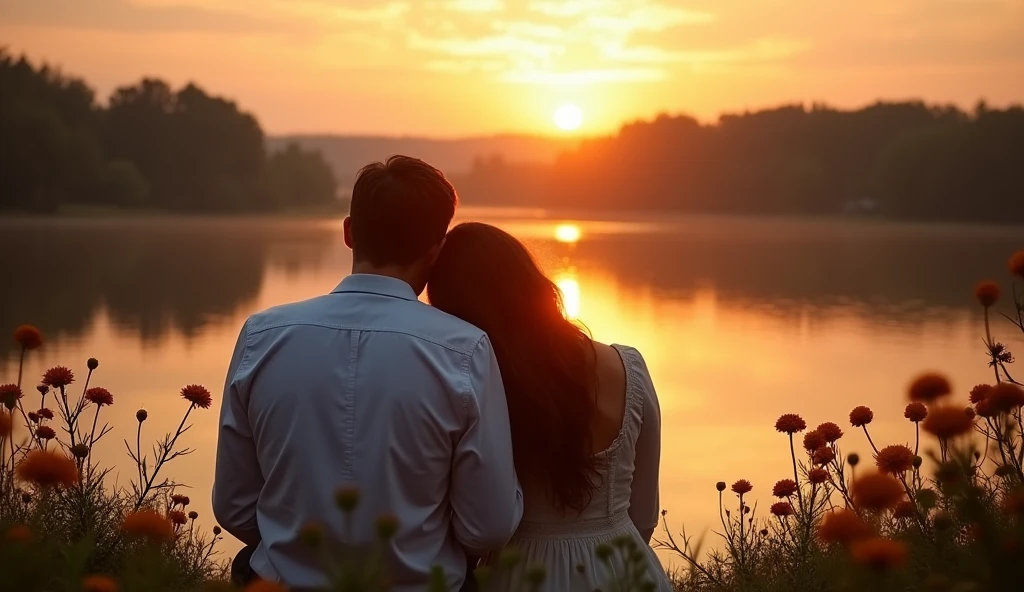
(468, 67)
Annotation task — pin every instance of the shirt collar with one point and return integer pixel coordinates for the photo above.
(376, 284)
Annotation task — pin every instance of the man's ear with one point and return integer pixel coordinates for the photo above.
(348, 231)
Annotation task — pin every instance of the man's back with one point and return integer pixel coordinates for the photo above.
(368, 388)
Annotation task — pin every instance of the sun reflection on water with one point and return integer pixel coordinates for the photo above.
(570, 288)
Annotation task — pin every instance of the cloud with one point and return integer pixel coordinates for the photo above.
(578, 77)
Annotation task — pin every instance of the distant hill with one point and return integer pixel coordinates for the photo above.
(346, 154)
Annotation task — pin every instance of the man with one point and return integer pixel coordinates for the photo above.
(369, 388)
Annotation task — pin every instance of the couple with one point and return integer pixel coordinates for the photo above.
(483, 420)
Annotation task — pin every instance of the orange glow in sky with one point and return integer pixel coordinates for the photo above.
(468, 67)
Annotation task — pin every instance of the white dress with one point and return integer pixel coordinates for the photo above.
(621, 516)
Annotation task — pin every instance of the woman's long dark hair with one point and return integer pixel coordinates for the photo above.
(485, 276)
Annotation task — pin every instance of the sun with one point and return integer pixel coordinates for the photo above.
(568, 117)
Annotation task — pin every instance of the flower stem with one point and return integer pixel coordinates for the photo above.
(796, 477)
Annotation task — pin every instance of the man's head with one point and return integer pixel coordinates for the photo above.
(399, 213)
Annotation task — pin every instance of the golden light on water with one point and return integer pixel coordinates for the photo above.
(570, 288)
(567, 233)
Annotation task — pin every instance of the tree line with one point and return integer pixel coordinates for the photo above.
(150, 146)
(897, 160)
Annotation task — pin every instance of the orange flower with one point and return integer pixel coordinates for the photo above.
(817, 476)
(58, 377)
(813, 441)
(895, 459)
(879, 553)
(45, 413)
(782, 509)
(5, 425)
(33, 417)
(45, 433)
(742, 486)
(9, 395)
(980, 392)
(19, 533)
(905, 509)
(987, 293)
(197, 395)
(100, 396)
(1017, 264)
(829, 431)
(861, 416)
(28, 337)
(790, 423)
(148, 525)
(948, 421)
(784, 488)
(98, 584)
(180, 500)
(823, 456)
(929, 387)
(1005, 397)
(916, 412)
(876, 492)
(178, 517)
(46, 469)
(843, 526)
(984, 408)
(265, 586)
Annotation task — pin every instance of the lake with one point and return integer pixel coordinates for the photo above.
(740, 320)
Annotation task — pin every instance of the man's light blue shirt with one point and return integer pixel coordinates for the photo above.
(365, 387)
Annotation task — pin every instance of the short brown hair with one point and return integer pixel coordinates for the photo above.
(400, 209)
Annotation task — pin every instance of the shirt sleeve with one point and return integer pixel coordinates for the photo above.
(238, 480)
(487, 500)
(644, 505)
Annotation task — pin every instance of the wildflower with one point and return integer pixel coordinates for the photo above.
(720, 486)
(979, 393)
(842, 526)
(861, 416)
(58, 377)
(790, 423)
(148, 525)
(141, 415)
(947, 421)
(904, 509)
(1005, 397)
(98, 584)
(193, 515)
(915, 412)
(876, 492)
(853, 458)
(33, 417)
(80, 450)
(742, 486)
(927, 498)
(813, 441)
(216, 531)
(92, 363)
(817, 476)
(764, 532)
(197, 395)
(45, 433)
(829, 431)
(999, 353)
(984, 408)
(1017, 264)
(43, 389)
(879, 553)
(180, 500)
(5, 425)
(782, 509)
(987, 293)
(178, 517)
(28, 337)
(895, 459)
(928, 387)
(312, 535)
(45, 413)
(19, 533)
(387, 526)
(823, 456)
(9, 395)
(265, 586)
(46, 469)
(100, 396)
(784, 488)
(347, 498)
(970, 413)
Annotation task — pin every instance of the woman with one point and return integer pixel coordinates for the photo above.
(585, 419)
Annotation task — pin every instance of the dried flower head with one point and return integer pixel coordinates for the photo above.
(216, 531)
(58, 377)
(720, 486)
(80, 450)
(876, 492)
(861, 416)
(984, 408)
(19, 533)
(980, 392)
(947, 421)
(895, 459)
(928, 387)
(180, 500)
(742, 487)
(92, 363)
(853, 458)
(904, 509)
(987, 293)
(387, 526)
(823, 455)
(141, 415)
(915, 411)
(817, 476)
(47, 469)
(970, 413)
(45, 413)
(878, 553)
(99, 396)
(843, 526)
(830, 431)
(177, 517)
(33, 417)
(813, 441)
(790, 423)
(148, 525)
(197, 395)
(193, 515)
(43, 389)
(44, 432)
(1005, 397)
(784, 488)
(782, 509)
(347, 498)
(9, 395)
(28, 337)
(98, 584)
(1017, 264)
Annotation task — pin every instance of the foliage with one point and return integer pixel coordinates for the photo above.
(840, 526)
